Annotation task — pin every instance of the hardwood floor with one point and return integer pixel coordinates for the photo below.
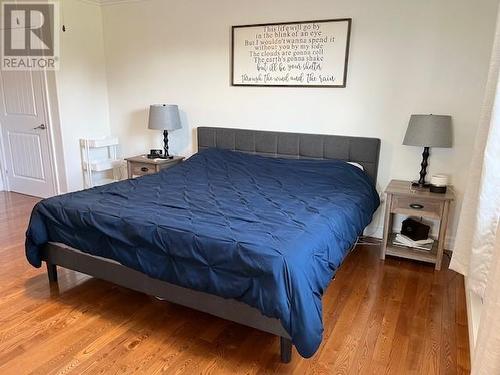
(397, 317)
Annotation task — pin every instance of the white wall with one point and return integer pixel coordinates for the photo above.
(406, 57)
(81, 83)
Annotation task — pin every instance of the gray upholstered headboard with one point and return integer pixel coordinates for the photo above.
(364, 151)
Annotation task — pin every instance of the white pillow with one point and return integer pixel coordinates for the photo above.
(357, 165)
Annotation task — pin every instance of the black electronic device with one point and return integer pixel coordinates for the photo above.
(415, 229)
(155, 154)
(437, 189)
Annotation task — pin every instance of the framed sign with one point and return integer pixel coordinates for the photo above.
(292, 54)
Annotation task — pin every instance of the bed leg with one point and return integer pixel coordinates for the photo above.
(285, 350)
(52, 272)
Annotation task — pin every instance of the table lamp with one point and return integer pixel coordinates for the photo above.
(428, 131)
(164, 117)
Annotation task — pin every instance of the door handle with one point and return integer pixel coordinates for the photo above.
(42, 127)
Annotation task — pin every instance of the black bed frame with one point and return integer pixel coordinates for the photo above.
(364, 151)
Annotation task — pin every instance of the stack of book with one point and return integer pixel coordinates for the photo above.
(424, 245)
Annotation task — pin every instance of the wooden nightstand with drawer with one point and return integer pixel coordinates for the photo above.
(404, 199)
(140, 165)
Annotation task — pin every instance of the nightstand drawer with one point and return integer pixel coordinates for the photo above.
(417, 206)
(141, 169)
(140, 165)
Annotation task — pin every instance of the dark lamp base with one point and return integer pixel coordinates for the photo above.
(421, 184)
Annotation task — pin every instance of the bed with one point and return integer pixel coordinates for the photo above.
(251, 229)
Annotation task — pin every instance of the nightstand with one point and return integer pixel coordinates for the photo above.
(404, 199)
(140, 165)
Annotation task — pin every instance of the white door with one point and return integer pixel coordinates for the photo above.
(25, 133)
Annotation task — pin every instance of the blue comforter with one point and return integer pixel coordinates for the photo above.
(267, 232)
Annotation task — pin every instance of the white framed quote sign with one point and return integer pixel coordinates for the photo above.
(292, 54)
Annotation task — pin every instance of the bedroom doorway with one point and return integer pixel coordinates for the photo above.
(28, 163)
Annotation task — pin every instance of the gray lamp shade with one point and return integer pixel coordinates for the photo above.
(164, 117)
(429, 131)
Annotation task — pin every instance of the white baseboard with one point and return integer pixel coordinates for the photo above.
(374, 232)
(474, 308)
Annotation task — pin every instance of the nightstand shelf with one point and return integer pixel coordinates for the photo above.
(404, 199)
(412, 253)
